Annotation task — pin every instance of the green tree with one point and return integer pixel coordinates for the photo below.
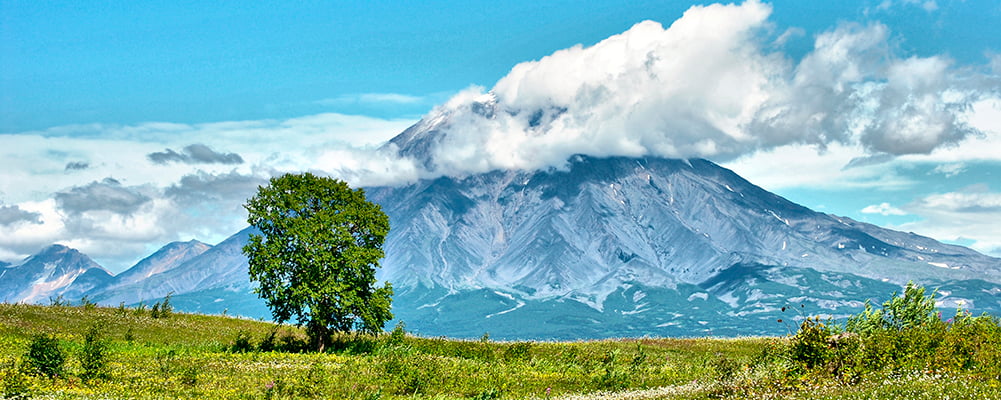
(316, 256)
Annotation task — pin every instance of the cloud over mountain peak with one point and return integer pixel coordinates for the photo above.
(711, 85)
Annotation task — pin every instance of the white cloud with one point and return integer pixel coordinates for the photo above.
(372, 98)
(968, 214)
(35, 163)
(949, 170)
(985, 117)
(804, 166)
(133, 202)
(883, 209)
(927, 5)
(708, 87)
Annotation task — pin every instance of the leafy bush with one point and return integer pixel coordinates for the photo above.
(59, 301)
(44, 356)
(811, 346)
(906, 334)
(899, 313)
(242, 343)
(87, 303)
(92, 357)
(517, 351)
(162, 309)
(398, 334)
(612, 378)
(268, 342)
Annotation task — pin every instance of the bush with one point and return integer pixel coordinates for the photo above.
(517, 351)
(44, 356)
(898, 313)
(87, 303)
(905, 335)
(59, 301)
(268, 343)
(812, 345)
(241, 344)
(398, 334)
(613, 378)
(162, 309)
(92, 358)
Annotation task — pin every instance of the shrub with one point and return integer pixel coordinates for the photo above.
(898, 313)
(612, 378)
(92, 358)
(811, 346)
(293, 344)
(242, 343)
(87, 303)
(398, 334)
(162, 309)
(906, 334)
(267, 343)
(59, 301)
(44, 356)
(517, 351)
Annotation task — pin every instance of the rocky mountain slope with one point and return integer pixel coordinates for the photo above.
(55, 271)
(648, 246)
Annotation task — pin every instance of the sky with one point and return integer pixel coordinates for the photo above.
(128, 125)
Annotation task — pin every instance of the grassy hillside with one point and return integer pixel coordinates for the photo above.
(127, 353)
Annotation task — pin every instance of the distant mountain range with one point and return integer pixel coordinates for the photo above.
(55, 271)
(605, 247)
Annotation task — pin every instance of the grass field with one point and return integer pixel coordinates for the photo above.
(127, 353)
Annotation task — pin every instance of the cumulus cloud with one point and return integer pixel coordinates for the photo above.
(118, 223)
(708, 86)
(203, 187)
(883, 209)
(119, 220)
(10, 215)
(712, 84)
(107, 195)
(194, 154)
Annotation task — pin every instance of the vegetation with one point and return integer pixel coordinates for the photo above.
(900, 354)
(316, 256)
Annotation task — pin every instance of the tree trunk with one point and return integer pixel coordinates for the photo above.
(319, 337)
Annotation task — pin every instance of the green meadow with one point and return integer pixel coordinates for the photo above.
(90, 352)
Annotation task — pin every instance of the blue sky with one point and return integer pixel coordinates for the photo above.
(119, 121)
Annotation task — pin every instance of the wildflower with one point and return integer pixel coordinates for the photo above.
(269, 385)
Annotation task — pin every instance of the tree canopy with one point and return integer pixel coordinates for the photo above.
(316, 256)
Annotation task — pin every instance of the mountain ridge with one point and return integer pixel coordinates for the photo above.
(55, 271)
